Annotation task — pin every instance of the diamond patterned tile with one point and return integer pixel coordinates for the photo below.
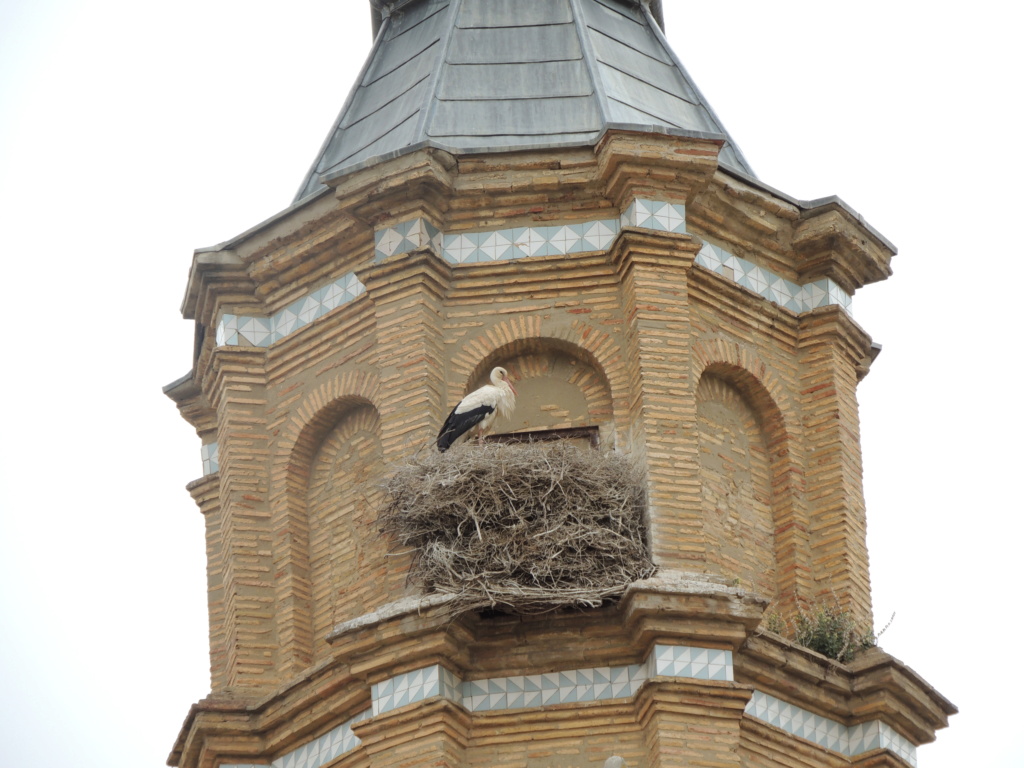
(210, 456)
(387, 242)
(263, 331)
(850, 741)
(333, 295)
(598, 235)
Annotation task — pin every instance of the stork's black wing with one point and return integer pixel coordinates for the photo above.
(457, 424)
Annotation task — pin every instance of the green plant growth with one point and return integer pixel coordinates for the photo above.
(827, 628)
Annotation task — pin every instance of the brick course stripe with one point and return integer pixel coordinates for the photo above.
(594, 684)
(524, 242)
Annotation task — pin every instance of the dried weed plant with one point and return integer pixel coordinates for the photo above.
(525, 528)
(828, 628)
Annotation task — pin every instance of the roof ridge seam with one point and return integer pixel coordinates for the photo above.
(436, 76)
(704, 103)
(312, 172)
(590, 58)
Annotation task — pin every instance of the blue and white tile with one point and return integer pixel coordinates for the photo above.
(710, 256)
(828, 733)
(324, 749)
(263, 331)
(815, 294)
(496, 246)
(689, 662)
(567, 239)
(255, 330)
(306, 756)
(309, 309)
(785, 293)
(459, 248)
(668, 217)
(792, 296)
(408, 688)
(210, 455)
(227, 331)
(388, 242)
(598, 235)
(864, 737)
(285, 322)
(404, 237)
(837, 295)
(533, 242)
(656, 215)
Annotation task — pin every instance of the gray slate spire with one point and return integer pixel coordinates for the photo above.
(493, 75)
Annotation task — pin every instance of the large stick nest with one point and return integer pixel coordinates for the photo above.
(519, 528)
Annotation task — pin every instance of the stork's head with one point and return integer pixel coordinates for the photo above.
(499, 375)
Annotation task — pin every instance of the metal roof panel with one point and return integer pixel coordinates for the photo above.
(556, 42)
(514, 13)
(526, 117)
(516, 81)
(487, 75)
(622, 25)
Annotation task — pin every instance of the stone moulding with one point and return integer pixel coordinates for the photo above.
(467, 248)
(413, 686)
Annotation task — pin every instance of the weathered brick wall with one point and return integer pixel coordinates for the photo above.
(348, 559)
(742, 413)
(735, 481)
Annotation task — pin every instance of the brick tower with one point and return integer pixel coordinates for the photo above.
(537, 184)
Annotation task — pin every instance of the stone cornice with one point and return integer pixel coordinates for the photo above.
(670, 610)
(873, 686)
(635, 164)
(829, 241)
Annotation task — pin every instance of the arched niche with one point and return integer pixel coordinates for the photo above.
(348, 563)
(560, 387)
(736, 485)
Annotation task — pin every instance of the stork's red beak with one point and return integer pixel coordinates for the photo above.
(511, 385)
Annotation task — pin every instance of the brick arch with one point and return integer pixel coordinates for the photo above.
(735, 474)
(770, 401)
(310, 421)
(349, 571)
(522, 336)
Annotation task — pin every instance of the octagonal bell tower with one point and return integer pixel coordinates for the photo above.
(537, 184)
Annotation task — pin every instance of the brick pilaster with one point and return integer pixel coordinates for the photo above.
(408, 291)
(249, 635)
(662, 409)
(434, 735)
(831, 350)
(692, 724)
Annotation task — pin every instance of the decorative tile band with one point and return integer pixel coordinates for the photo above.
(792, 296)
(656, 215)
(694, 663)
(414, 686)
(846, 740)
(561, 240)
(264, 331)
(574, 685)
(570, 686)
(593, 684)
(522, 242)
(317, 752)
(407, 236)
(210, 456)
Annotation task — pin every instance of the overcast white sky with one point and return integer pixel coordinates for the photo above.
(132, 133)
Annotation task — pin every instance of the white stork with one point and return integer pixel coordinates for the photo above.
(478, 409)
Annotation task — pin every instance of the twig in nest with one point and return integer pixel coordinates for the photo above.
(552, 527)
